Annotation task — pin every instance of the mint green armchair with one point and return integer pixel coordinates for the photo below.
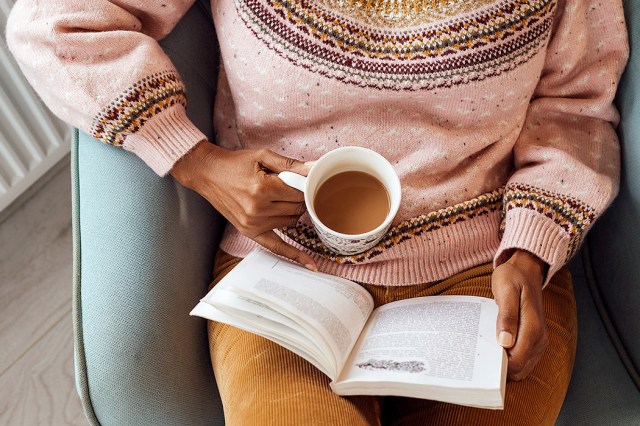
(144, 250)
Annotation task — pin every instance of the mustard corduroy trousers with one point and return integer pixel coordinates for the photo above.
(261, 383)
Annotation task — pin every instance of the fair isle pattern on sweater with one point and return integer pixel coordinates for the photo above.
(136, 105)
(571, 214)
(332, 42)
(482, 205)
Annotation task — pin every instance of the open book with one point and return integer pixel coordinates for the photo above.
(440, 347)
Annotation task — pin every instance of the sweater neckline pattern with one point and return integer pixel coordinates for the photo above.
(470, 47)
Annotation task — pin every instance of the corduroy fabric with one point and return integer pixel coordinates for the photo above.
(262, 383)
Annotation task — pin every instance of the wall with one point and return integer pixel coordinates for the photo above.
(32, 140)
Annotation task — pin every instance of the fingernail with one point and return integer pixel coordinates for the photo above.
(505, 339)
(310, 163)
(311, 267)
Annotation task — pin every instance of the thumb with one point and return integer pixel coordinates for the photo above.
(274, 244)
(277, 163)
(507, 296)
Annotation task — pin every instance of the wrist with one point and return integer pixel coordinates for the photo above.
(187, 169)
(529, 263)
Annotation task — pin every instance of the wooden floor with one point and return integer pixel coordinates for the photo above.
(36, 344)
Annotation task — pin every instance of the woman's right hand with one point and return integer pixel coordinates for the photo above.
(244, 187)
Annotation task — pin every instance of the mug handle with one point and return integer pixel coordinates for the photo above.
(294, 180)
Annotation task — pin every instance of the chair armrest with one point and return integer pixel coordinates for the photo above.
(143, 254)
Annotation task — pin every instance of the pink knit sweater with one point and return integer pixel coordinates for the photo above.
(497, 114)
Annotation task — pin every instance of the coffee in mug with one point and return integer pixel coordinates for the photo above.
(352, 195)
(352, 202)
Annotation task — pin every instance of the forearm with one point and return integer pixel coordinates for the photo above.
(566, 159)
(98, 66)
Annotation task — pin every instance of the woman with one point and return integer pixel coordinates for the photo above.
(497, 116)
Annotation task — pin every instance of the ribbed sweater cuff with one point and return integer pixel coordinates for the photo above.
(164, 139)
(531, 231)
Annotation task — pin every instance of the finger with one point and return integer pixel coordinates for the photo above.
(277, 163)
(276, 190)
(532, 338)
(277, 222)
(273, 243)
(507, 296)
(284, 208)
(254, 225)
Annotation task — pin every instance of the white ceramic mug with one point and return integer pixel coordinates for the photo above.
(347, 159)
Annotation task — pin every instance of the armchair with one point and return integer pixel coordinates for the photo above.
(144, 248)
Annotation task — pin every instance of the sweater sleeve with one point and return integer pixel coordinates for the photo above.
(97, 65)
(567, 156)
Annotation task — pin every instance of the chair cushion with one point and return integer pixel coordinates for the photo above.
(143, 256)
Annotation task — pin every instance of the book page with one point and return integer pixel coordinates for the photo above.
(329, 310)
(272, 330)
(272, 325)
(442, 341)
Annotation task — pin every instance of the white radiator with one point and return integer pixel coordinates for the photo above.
(32, 140)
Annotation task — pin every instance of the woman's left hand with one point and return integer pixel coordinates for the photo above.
(521, 327)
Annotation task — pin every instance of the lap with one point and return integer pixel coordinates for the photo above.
(537, 399)
(263, 383)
